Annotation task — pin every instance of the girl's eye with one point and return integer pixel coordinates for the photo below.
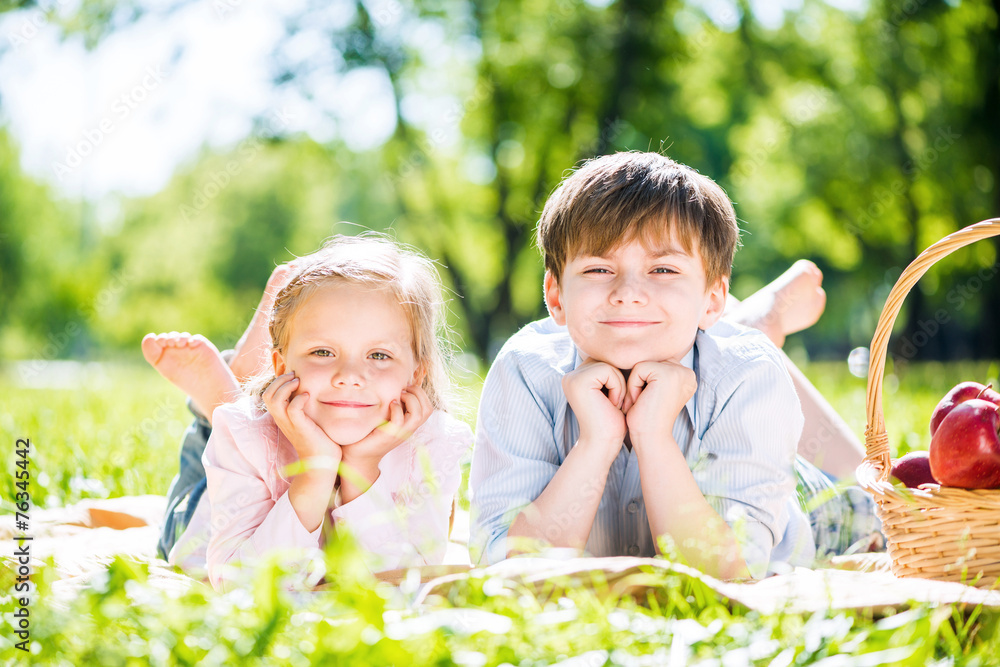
(322, 353)
(379, 356)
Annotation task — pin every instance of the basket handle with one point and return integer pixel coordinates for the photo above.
(876, 439)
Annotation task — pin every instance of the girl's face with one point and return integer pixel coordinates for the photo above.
(351, 348)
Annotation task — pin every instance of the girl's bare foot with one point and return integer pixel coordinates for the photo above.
(194, 365)
(792, 302)
(252, 353)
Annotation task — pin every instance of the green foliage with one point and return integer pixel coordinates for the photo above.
(855, 138)
(124, 617)
(121, 429)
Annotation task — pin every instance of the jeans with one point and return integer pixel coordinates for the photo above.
(842, 516)
(188, 486)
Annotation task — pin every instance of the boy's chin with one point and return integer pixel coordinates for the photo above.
(627, 361)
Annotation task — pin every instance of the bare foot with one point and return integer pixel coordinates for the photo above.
(252, 353)
(194, 365)
(792, 302)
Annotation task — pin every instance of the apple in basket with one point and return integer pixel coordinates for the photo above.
(964, 391)
(965, 447)
(913, 469)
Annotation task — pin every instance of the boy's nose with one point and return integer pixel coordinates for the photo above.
(628, 290)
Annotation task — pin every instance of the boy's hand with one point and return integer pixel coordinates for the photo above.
(306, 436)
(406, 415)
(657, 392)
(602, 422)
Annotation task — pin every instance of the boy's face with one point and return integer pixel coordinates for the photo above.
(635, 304)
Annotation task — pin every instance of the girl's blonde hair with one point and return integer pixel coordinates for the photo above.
(376, 262)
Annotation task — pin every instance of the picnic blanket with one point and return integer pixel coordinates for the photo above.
(84, 538)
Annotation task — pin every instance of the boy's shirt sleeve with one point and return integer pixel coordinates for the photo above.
(515, 456)
(745, 464)
(247, 520)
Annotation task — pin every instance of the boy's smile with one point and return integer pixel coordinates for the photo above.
(635, 303)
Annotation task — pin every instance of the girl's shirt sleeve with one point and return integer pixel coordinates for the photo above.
(251, 512)
(402, 520)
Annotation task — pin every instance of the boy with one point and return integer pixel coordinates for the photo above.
(620, 419)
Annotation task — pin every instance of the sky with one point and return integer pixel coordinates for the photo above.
(121, 118)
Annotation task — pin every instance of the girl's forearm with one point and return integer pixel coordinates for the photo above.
(676, 507)
(309, 494)
(358, 477)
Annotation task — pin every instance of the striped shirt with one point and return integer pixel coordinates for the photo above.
(738, 433)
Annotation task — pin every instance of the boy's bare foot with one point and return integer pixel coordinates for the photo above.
(194, 365)
(252, 353)
(792, 302)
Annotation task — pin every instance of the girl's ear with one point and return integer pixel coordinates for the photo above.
(553, 299)
(715, 303)
(278, 361)
(419, 373)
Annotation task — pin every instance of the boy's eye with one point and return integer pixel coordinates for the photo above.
(379, 356)
(663, 269)
(597, 270)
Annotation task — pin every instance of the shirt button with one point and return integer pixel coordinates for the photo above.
(633, 550)
(633, 507)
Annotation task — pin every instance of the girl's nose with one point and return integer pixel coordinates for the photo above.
(347, 374)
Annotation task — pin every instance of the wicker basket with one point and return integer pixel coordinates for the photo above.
(933, 532)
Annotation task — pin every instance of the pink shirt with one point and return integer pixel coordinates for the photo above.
(400, 521)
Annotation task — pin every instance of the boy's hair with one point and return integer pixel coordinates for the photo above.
(375, 262)
(647, 196)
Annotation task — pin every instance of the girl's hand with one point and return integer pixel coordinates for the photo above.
(360, 465)
(288, 411)
(406, 415)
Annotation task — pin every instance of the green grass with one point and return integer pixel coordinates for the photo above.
(117, 434)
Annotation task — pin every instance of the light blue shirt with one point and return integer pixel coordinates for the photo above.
(739, 434)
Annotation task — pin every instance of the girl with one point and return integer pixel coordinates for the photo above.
(357, 385)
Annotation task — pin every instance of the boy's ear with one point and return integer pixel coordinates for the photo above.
(278, 361)
(716, 302)
(553, 299)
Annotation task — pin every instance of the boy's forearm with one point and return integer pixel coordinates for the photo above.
(676, 507)
(563, 515)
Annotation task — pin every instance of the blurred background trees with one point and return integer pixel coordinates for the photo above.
(853, 134)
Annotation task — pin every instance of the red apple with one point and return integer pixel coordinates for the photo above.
(965, 449)
(961, 393)
(914, 469)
